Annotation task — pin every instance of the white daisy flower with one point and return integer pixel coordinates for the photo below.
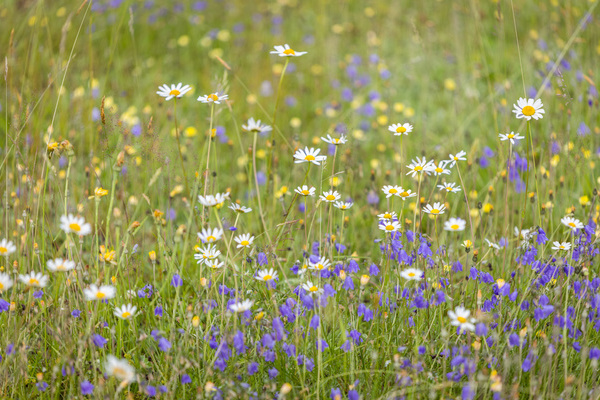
(7, 248)
(455, 224)
(391, 190)
(419, 166)
(400, 129)
(126, 311)
(436, 209)
(211, 201)
(99, 293)
(561, 246)
(320, 265)
(207, 253)
(266, 275)
(330, 196)
(412, 274)
(34, 279)
(309, 155)
(529, 108)
(241, 306)
(214, 264)
(449, 187)
(440, 168)
(5, 282)
(286, 51)
(460, 317)
(210, 235)
(572, 223)
(513, 137)
(460, 156)
(305, 190)
(173, 91)
(389, 226)
(256, 126)
(343, 205)
(239, 209)
(336, 141)
(60, 265)
(215, 98)
(492, 244)
(391, 215)
(244, 240)
(120, 369)
(77, 225)
(406, 194)
(312, 288)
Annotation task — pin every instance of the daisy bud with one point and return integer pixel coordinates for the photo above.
(152, 255)
(195, 321)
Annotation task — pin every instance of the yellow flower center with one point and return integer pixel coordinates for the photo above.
(393, 191)
(387, 216)
(74, 227)
(119, 372)
(449, 188)
(313, 289)
(3, 250)
(400, 129)
(510, 135)
(411, 274)
(212, 97)
(61, 267)
(33, 281)
(404, 194)
(100, 295)
(211, 239)
(1, 286)
(572, 224)
(561, 247)
(330, 197)
(435, 211)
(289, 52)
(244, 243)
(126, 314)
(320, 266)
(439, 169)
(305, 192)
(309, 157)
(336, 140)
(267, 278)
(418, 168)
(174, 92)
(528, 111)
(389, 227)
(455, 226)
(462, 320)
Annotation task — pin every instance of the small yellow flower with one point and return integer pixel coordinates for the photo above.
(584, 200)
(195, 321)
(99, 192)
(152, 255)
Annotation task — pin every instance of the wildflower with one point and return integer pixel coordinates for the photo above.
(436, 209)
(389, 226)
(305, 190)
(449, 187)
(125, 311)
(312, 288)
(513, 137)
(286, 51)
(455, 224)
(5, 282)
(98, 193)
(99, 293)
(330, 196)
(321, 264)
(460, 317)
(309, 155)
(561, 246)
(176, 91)
(185, 379)
(239, 209)
(406, 194)
(391, 190)
(211, 201)
(120, 369)
(391, 215)
(412, 274)
(34, 279)
(266, 275)
(572, 223)
(176, 281)
(244, 240)
(467, 244)
(400, 129)
(460, 156)
(256, 126)
(343, 206)
(163, 344)
(210, 235)
(214, 264)
(529, 108)
(74, 224)
(99, 340)
(207, 253)
(440, 168)
(60, 265)
(86, 388)
(213, 98)
(7, 248)
(241, 306)
(336, 141)
(419, 166)
(492, 244)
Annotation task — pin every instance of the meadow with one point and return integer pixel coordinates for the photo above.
(299, 199)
